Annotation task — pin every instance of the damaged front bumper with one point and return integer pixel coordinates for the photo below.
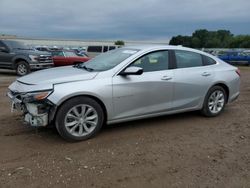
(36, 113)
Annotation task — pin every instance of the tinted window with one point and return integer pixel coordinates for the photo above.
(154, 61)
(185, 59)
(2, 45)
(95, 49)
(105, 48)
(209, 61)
(111, 47)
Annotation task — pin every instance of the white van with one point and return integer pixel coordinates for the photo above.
(93, 51)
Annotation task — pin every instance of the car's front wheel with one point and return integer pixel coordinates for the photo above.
(22, 68)
(214, 102)
(79, 119)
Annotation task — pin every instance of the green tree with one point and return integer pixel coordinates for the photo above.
(196, 43)
(203, 38)
(120, 43)
(181, 40)
(240, 41)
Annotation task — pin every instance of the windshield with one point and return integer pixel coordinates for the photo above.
(15, 45)
(57, 53)
(70, 54)
(108, 60)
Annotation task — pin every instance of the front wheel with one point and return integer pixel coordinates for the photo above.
(79, 119)
(22, 68)
(214, 102)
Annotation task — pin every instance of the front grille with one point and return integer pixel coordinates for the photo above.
(45, 59)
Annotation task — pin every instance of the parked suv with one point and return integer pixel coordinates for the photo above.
(15, 55)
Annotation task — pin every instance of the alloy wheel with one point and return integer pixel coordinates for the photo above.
(216, 101)
(22, 69)
(81, 120)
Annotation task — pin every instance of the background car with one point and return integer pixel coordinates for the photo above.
(67, 57)
(21, 58)
(93, 51)
(235, 58)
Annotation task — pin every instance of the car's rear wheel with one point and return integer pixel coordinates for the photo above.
(79, 119)
(214, 102)
(22, 68)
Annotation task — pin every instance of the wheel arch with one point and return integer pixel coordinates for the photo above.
(99, 101)
(224, 86)
(18, 59)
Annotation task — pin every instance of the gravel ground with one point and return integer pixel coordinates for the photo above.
(184, 150)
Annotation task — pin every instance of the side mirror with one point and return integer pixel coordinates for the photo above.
(132, 71)
(3, 49)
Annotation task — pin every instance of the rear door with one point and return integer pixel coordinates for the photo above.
(192, 79)
(151, 92)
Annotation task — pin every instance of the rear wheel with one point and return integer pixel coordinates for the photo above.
(22, 68)
(214, 102)
(79, 119)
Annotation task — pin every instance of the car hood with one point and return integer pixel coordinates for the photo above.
(30, 52)
(57, 75)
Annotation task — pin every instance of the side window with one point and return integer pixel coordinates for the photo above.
(185, 59)
(208, 60)
(111, 47)
(57, 53)
(105, 48)
(95, 49)
(2, 45)
(155, 61)
(70, 54)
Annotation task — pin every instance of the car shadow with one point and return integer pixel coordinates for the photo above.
(51, 134)
(6, 72)
(154, 121)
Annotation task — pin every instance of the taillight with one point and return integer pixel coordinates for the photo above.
(238, 71)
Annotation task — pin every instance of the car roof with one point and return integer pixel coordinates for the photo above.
(62, 50)
(166, 47)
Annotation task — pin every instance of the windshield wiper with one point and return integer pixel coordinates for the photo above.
(87, 68)
(23, 48)
(83, 67)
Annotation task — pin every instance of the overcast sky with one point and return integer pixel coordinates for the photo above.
(121, 19)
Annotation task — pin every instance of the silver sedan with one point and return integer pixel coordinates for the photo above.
(125, 84)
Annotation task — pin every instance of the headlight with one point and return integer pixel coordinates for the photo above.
(36, 96)
(33, 57)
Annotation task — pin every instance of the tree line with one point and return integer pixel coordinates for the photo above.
(203, 38)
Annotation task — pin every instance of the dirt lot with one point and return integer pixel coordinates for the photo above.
(184, 150)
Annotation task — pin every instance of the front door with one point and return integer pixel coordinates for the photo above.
(151, 92)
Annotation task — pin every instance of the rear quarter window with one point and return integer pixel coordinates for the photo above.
(208, 60)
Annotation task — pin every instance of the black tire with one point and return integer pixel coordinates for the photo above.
(22, 68)
(67, 107)
(206, 110)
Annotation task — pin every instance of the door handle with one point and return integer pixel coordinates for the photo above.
(166, 78)
(206, 74)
